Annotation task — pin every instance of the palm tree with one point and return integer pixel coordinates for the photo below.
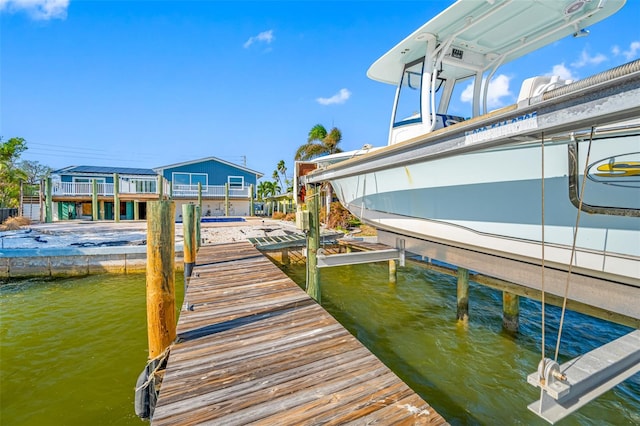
(319, 143)
(262, 190)
(281, 170)
(267, 189)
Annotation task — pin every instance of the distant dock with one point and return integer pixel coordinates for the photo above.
(257, 349)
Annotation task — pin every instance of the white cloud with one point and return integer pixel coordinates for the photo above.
(585, 59)
(339, 98)
(634, 49)
(615, 50)
(265, 37)
(38, 9)
(498, 89)
(563, 72)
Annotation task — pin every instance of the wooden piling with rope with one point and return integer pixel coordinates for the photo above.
(161, 295)
(161, 300)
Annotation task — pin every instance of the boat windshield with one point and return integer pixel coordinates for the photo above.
(408, 104)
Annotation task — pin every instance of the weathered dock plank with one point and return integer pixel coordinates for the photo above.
(256, 349)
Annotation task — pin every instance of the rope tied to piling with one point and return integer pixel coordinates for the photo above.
(160, 363)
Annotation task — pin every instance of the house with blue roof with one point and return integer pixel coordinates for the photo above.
(227, 189)
(73, 192)
(114, 193)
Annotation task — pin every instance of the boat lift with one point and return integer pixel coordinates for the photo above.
(355, 258)
(607, 98)
(567, 387)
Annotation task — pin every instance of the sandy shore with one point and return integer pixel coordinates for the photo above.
(96, 234)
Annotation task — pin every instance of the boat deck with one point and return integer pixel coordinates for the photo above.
(257, 349)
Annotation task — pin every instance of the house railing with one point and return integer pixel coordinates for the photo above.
(218, 191)
(146, 186)
(139, 186)
(126, 186)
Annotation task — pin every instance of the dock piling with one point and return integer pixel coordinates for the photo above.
(313, 242)
(161, 312)
(116, 197)
(251, 206)
(189, 232)
(510, 311)
(393, 271)
(48, 203)
(136, 210)
(198, 219)
(226, 199)
(94, 199)
(160, 187)
(463, 295)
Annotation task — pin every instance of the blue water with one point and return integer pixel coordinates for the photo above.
(473, 373)
(222, 219)
(218, 219)
(71, 350)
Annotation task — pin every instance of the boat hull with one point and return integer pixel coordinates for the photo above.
(492, 201)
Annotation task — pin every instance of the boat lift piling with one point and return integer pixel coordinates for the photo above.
(312, 228)
(462, 312)
(510, 311)
(316, 258)
(393, 271)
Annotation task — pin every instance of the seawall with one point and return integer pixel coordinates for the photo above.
(75, 261)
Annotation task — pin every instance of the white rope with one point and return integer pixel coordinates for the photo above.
(152, 375)
(543, 254)
(573, 247)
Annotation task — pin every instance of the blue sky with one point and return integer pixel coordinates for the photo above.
(152, 83)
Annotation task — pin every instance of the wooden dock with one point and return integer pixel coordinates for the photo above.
(256, 349)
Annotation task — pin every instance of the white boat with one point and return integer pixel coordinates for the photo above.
(471, 191)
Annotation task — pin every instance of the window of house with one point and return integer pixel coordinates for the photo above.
(87, 180)
(189, 178)
(236, 181)
(198, 178)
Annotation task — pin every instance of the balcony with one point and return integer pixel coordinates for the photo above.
(126, 186)
(146, 187)
(209, 191)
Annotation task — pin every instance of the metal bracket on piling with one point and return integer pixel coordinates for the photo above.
(354, 258)
(570, 386)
